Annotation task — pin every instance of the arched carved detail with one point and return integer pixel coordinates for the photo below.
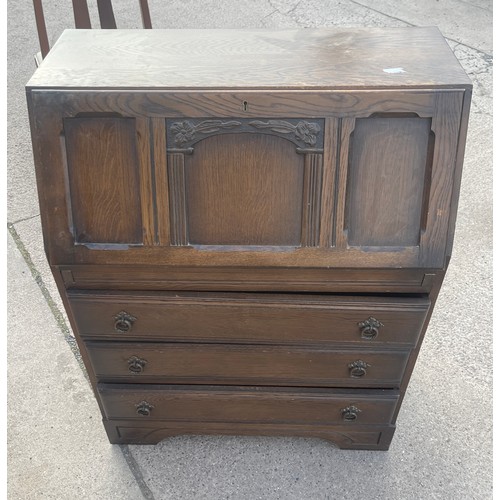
(307, 135)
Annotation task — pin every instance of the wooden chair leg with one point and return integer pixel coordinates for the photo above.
(41, 28)
(145, 15)
(81, 14)
(106, 15)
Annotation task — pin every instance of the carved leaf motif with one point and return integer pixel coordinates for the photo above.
(210, 126)
(279, 126)
(186, 131)
(304, 131)
(307, 132)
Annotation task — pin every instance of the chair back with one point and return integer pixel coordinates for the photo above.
(82, 20)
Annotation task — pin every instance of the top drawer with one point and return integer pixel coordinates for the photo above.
(249, 318)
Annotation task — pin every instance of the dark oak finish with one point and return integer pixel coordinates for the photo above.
(359, 437)
(370, 216)
(114, 277)
(244, 190)
(254, 58)
(103, 180)
(246, 404)
(250, 318)
(245, 365)
(324, 239)
(249, 228)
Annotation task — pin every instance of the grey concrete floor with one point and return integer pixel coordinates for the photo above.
(442, 449)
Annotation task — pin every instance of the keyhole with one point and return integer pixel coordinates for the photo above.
(245, 106)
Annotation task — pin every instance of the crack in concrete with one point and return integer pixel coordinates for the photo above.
(288, 12)
(475, 5)
(71, 341)
(269, 15)
(382, 13)
(294, 7)
(136, 472)
(59, 317)
(415, 25)
(484, 54)
(24, 219)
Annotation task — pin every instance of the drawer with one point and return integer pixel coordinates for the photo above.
(247, 404)
(245, 365)
(249, 318)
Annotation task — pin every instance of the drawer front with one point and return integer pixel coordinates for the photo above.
(249, 318)
(240, 365)
(247, 404)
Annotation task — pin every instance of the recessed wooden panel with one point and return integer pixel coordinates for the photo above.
(244, 189)
(388, 159)
(104, 179)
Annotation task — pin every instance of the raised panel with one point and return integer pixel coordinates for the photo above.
(244, 189)
(387, 181)
(103, 176)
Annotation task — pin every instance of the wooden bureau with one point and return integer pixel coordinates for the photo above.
(249, 228)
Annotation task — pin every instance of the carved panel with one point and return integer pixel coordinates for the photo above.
(245, 182)
(305, 134)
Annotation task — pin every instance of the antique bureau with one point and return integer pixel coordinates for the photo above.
(249, 228)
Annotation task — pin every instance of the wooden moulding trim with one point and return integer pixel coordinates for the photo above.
(88, 276)
(227, 104)
(344, 437)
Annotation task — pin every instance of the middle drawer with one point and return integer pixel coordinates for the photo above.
(243, 364)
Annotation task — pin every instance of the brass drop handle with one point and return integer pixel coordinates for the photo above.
(136, 365)
(124, 322)
(144, 408)
(357, 369)
(350, 413)
(369, 328)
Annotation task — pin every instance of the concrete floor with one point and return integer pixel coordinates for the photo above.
(57, 447)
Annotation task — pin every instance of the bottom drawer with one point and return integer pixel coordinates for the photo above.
(247, 404)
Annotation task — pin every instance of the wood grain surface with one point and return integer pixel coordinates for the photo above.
(104, 180)
(359, 437)
(171, 363)
(249, 318)
(244, 189)
(251, 58)
(325, 280)
(226, 212)
(386, 179)
(247, 404)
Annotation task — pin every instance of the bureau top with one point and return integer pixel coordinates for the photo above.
(325, 58)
